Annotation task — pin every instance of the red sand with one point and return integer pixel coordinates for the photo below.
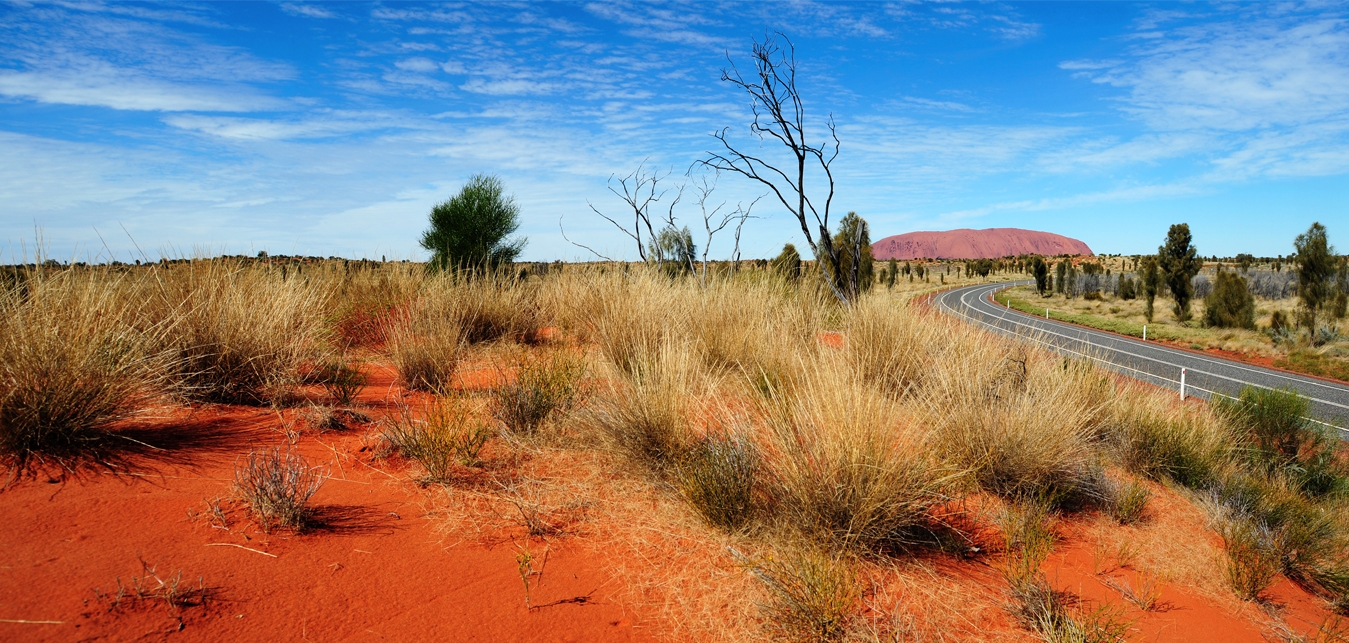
(377, 570)
(991, 243)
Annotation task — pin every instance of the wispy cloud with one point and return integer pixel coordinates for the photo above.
(308, 10)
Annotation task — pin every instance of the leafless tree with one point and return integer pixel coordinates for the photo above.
(641, 191)
(780, 114)
(717, 218)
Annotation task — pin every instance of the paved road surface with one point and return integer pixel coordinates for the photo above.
(1146, 361)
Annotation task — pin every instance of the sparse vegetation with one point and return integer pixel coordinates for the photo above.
(542, 387)
(448, 435)
(277, 486)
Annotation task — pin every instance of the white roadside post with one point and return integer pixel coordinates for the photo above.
(1145, 332)
(1182, 385)
(1046, 313)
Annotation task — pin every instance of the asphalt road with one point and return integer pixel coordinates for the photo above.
(1146, 361)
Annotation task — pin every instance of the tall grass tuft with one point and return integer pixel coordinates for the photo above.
(72, 364)
(719, 477)
(1163, 442)
(844, 472)
(426, 346)
(647, 418)
(810, 596)
(241, 334)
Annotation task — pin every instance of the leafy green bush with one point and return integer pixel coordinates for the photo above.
(449, 435)
(1229, 304)
(469, 231)
(1283, 441)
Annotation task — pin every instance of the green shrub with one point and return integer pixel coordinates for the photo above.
(341, 381)
(470, 230)
(1283, 441)
(1125, 500)
(1229, 304)
(541, 387)
(718, 477)
(449, 435)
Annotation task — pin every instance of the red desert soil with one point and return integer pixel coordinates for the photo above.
(377, 568)
(990, 243)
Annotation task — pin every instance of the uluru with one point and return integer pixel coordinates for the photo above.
(976, 244)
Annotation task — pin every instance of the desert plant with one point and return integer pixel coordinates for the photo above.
(1252, 558)
(342, 381)
(541, 387)
(646, 419)
(73, 362)
(277, 487)
(241, 334)
(842, 472)
(426, 347)
(148, 588)
(448, 434)
(1283, 440)
(470, 230)
(718, 477)
(1315, 273)
(1229, 304)
(1169, 444)
(1179, 262)
(1125, 500)
(788, 263)
(810, 596)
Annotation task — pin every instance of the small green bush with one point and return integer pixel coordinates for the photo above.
(449, 435)
(541, 387)
(1283, 441)
(342, 381)
(1125, 500)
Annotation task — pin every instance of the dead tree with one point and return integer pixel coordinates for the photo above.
(718, 217)
(641, 191)
(780, 114)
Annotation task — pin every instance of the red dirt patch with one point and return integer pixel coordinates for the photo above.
(375, 567)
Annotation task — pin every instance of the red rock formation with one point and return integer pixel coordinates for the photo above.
(975, 244)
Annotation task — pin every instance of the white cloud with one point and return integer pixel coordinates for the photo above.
(307, 10)
(417, 64)
(103, 86)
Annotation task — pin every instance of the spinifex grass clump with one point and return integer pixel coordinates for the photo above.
(718, 477)
(277, 485)
(72, 363)
(426, 347)
(242, 333)
(647, 420)
(843, 472)
(449, 435)
(541, 388)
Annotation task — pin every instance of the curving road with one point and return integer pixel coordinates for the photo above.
(1146, 361)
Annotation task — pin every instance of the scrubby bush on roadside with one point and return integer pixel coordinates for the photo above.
(1284, 442)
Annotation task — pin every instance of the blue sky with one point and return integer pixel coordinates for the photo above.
(331, 129)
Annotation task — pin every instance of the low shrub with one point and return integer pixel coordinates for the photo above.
(342, 381)
(719, 477)
(277, 487)
(1230, 304)
(1283, 441)
(646, 419)
(1164, 443)
(448, 435)
(809, 596)
(541, 388)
